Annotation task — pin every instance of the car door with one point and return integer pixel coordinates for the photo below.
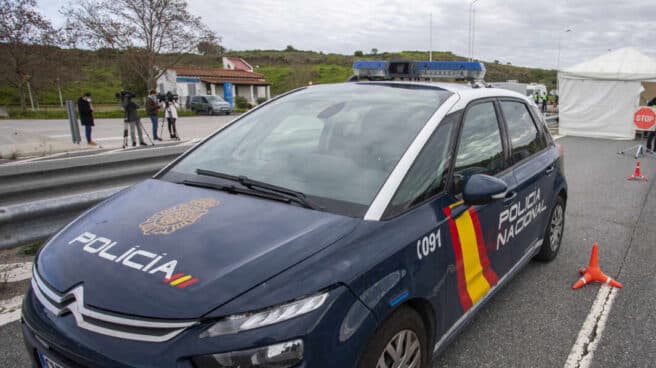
(205, 105)
(479, 260)
(415, 213)
(534, 170)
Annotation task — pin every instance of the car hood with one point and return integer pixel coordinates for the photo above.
(214, 245)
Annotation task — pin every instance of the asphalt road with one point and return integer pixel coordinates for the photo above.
(536, 319)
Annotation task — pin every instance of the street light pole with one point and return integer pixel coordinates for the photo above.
(560, 36)
(470, 44)
(430, 38)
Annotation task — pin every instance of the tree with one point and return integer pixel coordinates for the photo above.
(143, 30)
(290, 48)
(211, 47)
(21, 28)
(358, 53)
(374, 51)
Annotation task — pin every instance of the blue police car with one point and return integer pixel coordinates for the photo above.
(350, 225)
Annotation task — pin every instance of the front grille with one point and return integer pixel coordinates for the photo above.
(110, 324)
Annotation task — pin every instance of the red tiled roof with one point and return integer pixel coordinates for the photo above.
(246, 81)
(218, 73)
(240, 64)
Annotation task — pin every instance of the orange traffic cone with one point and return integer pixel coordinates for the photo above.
(637, 175)
(593, 273)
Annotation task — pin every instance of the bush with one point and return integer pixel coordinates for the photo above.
(358, 53)
(260, 100)
(241, 102)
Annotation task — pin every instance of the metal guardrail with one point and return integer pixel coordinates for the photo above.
(38, 198)
(34, 221)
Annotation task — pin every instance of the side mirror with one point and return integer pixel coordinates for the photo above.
(482, 189)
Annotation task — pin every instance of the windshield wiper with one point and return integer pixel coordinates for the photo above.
(263, 187)
(236, 190)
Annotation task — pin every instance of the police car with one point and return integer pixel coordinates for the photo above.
(351, 225)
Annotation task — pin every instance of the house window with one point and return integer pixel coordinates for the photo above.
(191, 89)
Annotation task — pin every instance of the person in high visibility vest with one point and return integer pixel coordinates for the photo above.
(544, 103)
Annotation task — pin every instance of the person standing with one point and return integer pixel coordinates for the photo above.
(651, 135)
(152, 109)
(132, 122)
(171, 114)
(545, 98)
(85, 110)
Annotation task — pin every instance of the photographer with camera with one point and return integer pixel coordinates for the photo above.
(152, 109)
(132, 120)
(170, 104)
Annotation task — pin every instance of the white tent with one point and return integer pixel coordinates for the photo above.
(597, 98)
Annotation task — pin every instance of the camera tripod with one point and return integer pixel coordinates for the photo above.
(161, 129)
(640, 148)
(140, 126)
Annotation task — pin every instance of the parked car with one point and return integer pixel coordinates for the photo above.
(210, 105)
(347, 225)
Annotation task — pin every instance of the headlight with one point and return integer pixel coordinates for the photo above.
(283, 355)
(249, 321)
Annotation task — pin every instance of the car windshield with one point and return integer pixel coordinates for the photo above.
(337, 144)
(214, 99)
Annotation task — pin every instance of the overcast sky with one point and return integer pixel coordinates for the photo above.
(522, 32)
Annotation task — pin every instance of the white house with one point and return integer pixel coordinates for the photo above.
(236, 79)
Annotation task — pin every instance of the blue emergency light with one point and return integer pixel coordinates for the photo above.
(469, 70)
(376, 69)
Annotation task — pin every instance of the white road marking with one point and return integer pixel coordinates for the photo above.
(60, 136)
(557, 137)
(588, 339)
(14, 272)
(10, 310)
(109, 139)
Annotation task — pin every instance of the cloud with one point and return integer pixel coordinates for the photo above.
(518, 31)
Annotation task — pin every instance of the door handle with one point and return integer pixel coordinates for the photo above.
(510, 197)
(550, 169)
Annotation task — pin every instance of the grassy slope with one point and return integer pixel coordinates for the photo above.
(98, 72)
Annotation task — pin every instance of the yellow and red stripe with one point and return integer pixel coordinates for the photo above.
(181, 280)
(475, 276)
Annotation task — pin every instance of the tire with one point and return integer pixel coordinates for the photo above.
(553, 234)
(210, 111)
(403, 327)
(227, 112)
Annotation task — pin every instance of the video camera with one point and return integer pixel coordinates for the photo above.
(124, 96)
(167, 97)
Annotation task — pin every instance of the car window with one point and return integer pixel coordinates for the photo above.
(333, 142)
(524, 136)
(204, 99)
(426, 177)
(480, 150)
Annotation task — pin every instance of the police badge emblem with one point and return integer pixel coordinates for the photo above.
(172, 219)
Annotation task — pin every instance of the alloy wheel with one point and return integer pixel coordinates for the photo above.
(556, 227)
(402, 351)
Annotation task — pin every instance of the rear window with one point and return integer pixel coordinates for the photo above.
(524, 136)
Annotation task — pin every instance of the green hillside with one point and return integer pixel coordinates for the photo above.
(99, 73)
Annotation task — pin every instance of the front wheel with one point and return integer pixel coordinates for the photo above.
(400, 342)
(553, 235)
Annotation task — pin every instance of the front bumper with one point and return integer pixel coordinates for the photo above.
(63, 341)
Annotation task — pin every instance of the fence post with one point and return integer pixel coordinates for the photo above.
(72, 121)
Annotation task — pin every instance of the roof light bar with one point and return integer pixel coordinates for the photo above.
(468, 70)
